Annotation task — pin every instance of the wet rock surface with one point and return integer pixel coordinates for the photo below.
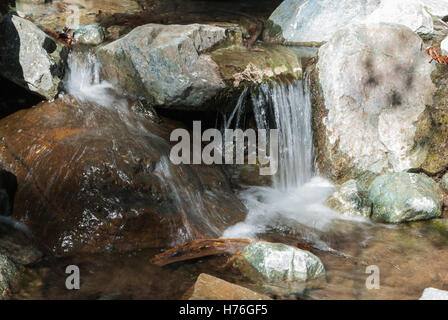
(31, 58)
(92, 179)
(89, 34)
(400, 197)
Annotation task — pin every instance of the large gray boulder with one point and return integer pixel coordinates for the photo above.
(8, 272)
(400, 197)
(374, 85)
(277, 262)
(438, 8)
(315, 21)
(164, 64)
(31, 58)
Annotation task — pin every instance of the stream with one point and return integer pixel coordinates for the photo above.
(410, 257)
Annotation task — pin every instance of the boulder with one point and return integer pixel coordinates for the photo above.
(370, 92)
(410, 13)
(95, 178)
(31, 58)
(438, 8)
(89, 34)
(351, 200)
(314, 21)
(208, 287)
(434, 294)
(8, 273)
(402, 197)
(164, 64)
(277, 262)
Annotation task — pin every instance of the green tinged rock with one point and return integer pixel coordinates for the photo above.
(401, 197)
(276, 262)
(351, 200)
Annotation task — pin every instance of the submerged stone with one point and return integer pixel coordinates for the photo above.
(402, 197)
(351, 200)
(277, 262)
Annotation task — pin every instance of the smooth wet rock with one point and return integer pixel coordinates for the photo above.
(31, 58)
(95, 178)
(89, 34)
(403, 197)
(208, 287)
(277, 262)
(434, 294)
(8, 273)
(374, 85)
(17, 243)
(314, 21)
(351, 200)
(165, 64)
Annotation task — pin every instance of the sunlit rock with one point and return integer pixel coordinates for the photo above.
(371, 90)
(401, 197)
(434, 294)
(410, 13)
(165, 64)
(89, 34)
(277, 262)
(208, 287)
(31, 58)
(314, 21)
(351, 200)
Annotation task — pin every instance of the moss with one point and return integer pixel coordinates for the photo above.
(279, 60)
(435, 132)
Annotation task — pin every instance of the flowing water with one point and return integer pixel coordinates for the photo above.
(411, 257)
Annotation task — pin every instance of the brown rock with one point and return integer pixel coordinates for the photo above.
(92, 178)
(210, 288)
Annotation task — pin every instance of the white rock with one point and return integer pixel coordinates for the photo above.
(444, 46)
(376, 84)
(434, 294)
(437, 8)
(410, 13)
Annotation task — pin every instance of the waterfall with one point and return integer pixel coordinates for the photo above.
(296, 194)
(289, 106)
